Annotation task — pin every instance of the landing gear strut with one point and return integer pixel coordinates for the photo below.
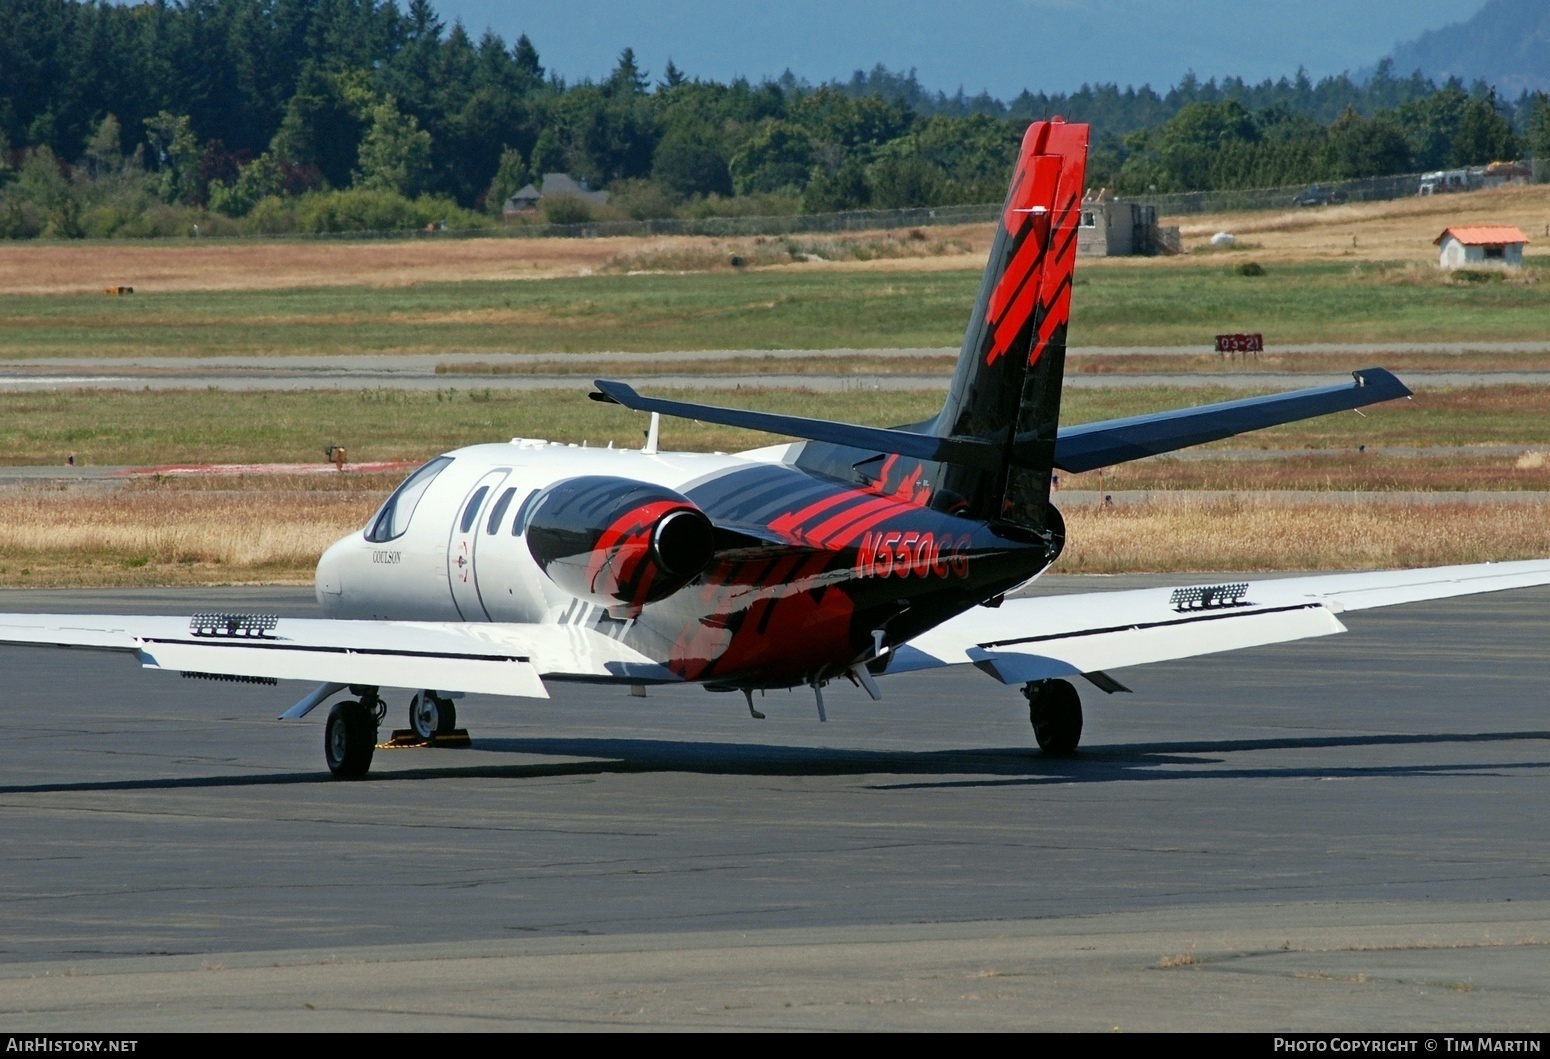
(350, 737)
(1055, 709)
(431, 715)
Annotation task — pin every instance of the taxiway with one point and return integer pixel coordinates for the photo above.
(1339, 834)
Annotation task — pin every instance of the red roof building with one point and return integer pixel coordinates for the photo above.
(1487, 244)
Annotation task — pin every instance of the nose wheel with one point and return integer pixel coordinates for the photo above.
(431, 715)
(1055, 709)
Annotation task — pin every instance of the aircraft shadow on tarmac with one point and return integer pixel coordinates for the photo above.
(912, 769)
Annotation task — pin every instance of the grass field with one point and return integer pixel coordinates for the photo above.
(271, 529)
(148, 427)
(1251, 533)
(162, 533)
(1397, 230)
(1340, 471)
(1113, 305)
(429, 298)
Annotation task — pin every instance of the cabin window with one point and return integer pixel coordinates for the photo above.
(1495, 253)
(498, 512)
(471, 512)
(1088, 220)
(519, 523)
(393, 518)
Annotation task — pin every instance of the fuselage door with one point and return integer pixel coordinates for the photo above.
(462, 549)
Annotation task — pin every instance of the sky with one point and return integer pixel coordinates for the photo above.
(1002, 46)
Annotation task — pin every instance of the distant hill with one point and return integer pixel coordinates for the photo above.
(1506, 44)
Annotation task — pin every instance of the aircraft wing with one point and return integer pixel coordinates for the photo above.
(1042, 637)
(491, 659)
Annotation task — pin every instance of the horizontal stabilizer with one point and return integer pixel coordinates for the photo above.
(963, 451)
(1093, 445)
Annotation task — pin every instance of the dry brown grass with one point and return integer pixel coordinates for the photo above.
(1185, 534)
(261, 264)
(1344, 472)
(177, 532)
(962, 246)
(31, 268)
(171, 536)
(1399, 230)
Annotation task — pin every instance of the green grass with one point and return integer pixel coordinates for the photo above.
(1165, 304)
(142, 427)
(1188, 305)
(626, 313)
(145, 427)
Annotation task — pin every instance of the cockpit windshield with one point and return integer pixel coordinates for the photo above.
(393, 520)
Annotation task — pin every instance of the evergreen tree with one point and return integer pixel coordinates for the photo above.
(510, 177)
(627, 77)
(525, 58)
(395, 152)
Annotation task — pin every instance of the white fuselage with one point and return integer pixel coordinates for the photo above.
(438, 571)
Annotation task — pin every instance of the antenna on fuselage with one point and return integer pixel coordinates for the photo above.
(652, 433)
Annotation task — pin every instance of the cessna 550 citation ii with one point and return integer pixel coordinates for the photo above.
(855, 552)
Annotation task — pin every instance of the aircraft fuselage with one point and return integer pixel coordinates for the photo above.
(808, 576)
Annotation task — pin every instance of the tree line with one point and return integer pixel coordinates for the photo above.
(318, 115)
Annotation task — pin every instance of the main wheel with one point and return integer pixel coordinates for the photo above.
(1055, 710)
(430, 715)
(349, 739)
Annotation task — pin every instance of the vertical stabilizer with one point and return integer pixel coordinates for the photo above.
(1006, 387)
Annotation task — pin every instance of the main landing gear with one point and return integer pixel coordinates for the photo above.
(431, 715)
(1055, 710)
(350, 737)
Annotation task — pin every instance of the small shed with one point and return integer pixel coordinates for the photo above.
(1116, 229)
(1496, 244)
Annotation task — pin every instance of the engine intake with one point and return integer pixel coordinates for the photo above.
(614, 540)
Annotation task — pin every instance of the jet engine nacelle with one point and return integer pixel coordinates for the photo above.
(618, 541)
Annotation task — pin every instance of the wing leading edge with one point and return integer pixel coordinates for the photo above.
(1040, 638)
(512, 660)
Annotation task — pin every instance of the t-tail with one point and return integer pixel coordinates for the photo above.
(1006, 388)
(992, 450)
(989, 453)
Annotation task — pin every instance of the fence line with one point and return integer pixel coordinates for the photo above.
(848, 221)
(1368, 189)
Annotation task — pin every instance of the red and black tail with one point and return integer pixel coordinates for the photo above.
(989, 453)
(1006, 388)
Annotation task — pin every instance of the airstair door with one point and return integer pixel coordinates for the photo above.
(462, 549)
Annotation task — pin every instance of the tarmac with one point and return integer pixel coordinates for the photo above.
(1339, 835)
